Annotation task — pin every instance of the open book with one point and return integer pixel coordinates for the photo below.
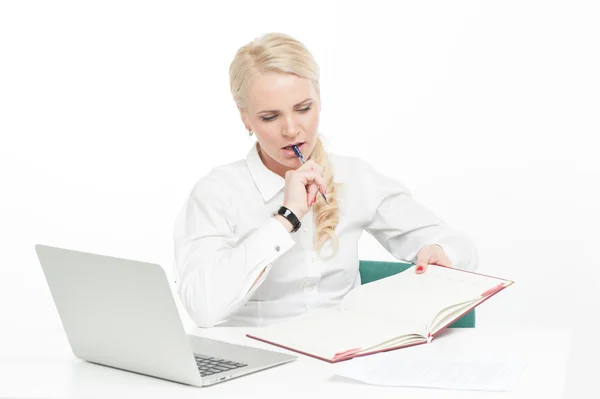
(398, 311)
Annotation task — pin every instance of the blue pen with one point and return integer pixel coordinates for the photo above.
(299, 155)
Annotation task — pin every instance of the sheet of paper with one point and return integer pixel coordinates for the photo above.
(426, 366)
(441, 373)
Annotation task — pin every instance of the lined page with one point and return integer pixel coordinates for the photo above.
(325, 332)
(411, 296)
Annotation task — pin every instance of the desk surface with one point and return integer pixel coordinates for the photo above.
(40, 364)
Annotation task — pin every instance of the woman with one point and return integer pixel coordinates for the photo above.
(256, 242)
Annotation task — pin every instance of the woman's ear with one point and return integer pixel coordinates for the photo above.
(244, 118)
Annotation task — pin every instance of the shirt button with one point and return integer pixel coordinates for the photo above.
(277, 248)
(310, 288)
(305, 229)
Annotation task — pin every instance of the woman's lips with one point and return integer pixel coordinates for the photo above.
(289, 151)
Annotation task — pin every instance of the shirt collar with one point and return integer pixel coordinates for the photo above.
(268, 182)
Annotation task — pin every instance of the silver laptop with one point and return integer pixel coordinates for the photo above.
(121, 313)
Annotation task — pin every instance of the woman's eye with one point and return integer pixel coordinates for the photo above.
(270, 118)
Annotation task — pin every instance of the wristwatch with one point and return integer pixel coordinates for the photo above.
(289, 215)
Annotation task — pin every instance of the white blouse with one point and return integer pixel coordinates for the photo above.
(226, 235)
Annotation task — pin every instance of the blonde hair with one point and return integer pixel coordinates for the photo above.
(280, 53)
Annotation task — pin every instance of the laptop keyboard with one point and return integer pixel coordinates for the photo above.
(213, 365)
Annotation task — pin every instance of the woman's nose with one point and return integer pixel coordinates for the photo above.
(290, 128)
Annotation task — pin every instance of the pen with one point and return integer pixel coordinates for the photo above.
(299, 155)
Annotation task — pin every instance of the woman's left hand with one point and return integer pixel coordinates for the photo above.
(431, 255)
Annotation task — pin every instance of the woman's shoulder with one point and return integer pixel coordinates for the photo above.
(358, 172)
(347, 166)
(226, 176)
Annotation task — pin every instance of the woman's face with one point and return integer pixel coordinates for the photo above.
(282, 110)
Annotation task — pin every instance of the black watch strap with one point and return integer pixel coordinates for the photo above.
(289, 215)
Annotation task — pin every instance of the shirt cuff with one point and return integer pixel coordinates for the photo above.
(266, 244)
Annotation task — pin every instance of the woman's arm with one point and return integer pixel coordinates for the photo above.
(403, 226)
(217, 271)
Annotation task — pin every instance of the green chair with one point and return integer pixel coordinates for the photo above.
(374, 270)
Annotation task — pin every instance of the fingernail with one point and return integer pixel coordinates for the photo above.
(420, 269)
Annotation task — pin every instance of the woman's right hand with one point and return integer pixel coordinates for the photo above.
(302, 186)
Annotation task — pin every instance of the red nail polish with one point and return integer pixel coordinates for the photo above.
(419, 269)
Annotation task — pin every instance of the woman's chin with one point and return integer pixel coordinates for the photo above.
(292, 163)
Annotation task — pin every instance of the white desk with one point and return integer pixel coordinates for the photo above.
(40, 364)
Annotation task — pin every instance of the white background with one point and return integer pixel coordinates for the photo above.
(488, 111)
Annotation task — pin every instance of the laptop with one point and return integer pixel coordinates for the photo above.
(121, 313)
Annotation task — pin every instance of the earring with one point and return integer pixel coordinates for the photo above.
(250, 132)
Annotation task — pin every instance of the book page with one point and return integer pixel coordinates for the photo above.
(418, 298)
(397, 342)
(446, 316)
(326, 332)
